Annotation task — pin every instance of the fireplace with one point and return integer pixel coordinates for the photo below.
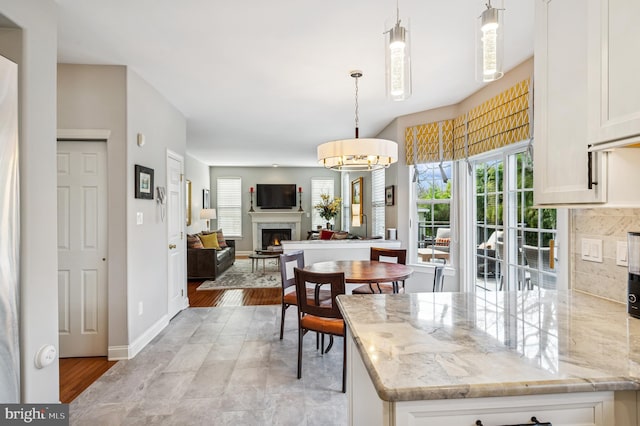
(274, 220)
(273, 236)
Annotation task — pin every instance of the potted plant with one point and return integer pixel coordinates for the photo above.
(328, 208)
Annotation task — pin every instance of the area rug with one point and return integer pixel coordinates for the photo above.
(239, 275)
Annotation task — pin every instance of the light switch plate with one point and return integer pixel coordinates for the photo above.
(621, 254)
(591, 250)
(139, 218)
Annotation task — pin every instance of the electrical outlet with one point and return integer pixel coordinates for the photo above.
(140, 310)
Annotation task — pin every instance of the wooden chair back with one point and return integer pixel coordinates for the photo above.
(399, 254)
(288, 262)
(305, 306)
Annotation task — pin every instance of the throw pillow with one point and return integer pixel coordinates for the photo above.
(222, 242)
(194, 242)
(210, 241)
(443, 241)
(339, 235)
(326, 234)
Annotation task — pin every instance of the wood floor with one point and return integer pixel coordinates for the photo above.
(234, 297)
(76, 374)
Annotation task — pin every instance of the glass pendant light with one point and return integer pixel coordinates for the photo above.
(398, 61)
(490, 44)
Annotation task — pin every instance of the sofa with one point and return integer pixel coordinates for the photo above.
(206, 260)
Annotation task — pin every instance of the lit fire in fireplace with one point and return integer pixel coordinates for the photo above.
(276, 241)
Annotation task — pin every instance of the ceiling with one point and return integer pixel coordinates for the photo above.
(265, 82)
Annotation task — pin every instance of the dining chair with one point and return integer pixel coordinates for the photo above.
(322, 318)
(287, 262)
(384, 255)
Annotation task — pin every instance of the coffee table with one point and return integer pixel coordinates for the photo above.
(264, 255)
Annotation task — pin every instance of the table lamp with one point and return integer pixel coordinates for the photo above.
(208, 214)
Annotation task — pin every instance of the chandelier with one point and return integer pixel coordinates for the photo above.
(357, 154)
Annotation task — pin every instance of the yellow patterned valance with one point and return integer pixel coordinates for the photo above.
(498, 122)
(428, 142)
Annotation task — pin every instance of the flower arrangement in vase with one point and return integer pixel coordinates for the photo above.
(328, 208)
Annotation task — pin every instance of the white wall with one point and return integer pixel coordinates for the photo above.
(198, 173)
(34, 49)
(94, 97)
(165, 128)
(117, 99)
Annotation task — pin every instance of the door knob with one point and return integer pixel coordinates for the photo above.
(172, 246)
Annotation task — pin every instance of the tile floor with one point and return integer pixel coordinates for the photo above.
(220, 366)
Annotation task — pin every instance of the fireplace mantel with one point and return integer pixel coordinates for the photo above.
(283, 219)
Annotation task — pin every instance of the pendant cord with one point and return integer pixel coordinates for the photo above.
(357, 112)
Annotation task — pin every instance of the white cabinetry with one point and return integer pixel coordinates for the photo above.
(614, 67)
(587, 102)
(561, 160)
(568, 409)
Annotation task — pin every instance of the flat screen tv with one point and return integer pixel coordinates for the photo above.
(276, 196)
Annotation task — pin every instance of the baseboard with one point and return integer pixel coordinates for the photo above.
(116, 353)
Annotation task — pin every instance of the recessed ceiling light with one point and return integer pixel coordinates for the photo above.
(275, 165)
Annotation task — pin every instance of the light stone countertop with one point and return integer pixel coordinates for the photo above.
(425, 346)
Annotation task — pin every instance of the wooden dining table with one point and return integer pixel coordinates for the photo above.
(364, 271)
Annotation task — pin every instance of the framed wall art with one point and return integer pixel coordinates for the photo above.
(389, 195)
(188, 198)
(144, 182)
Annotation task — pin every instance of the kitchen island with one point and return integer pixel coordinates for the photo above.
(455, 358)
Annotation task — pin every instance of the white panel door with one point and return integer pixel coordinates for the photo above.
(175, 229)
(82, 248)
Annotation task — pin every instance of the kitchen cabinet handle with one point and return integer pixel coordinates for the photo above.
(534, 422)
(590, 181)
(172, 246)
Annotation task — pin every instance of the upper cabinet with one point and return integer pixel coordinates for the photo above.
(564, 171)
(614, 70)
(587, 102)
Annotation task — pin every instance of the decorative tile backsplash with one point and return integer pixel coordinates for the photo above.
(604, 279)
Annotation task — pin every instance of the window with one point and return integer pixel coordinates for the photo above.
(516, 241)
(229, 210)
(320, 186)
(433, 212)
(488, 218)
(377, 203)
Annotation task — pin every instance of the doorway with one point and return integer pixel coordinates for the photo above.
(172, 199)
(82, 248)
